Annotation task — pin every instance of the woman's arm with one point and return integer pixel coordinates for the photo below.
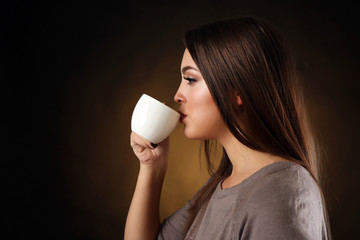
(143, 218)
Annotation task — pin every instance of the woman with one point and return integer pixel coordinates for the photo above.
(239, 87)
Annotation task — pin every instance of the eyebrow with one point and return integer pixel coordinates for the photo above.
(184, 69)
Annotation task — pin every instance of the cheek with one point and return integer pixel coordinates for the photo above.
(207, 119)
(202, 105)
(203, 97)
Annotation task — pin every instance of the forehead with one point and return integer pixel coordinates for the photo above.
(187, 60)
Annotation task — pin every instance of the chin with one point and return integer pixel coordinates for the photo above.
(193, 135)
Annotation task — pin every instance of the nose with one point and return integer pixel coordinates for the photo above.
(179, 97)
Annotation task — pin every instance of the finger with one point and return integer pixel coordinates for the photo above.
(139, 140)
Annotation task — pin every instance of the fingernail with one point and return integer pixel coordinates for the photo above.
(154, 145)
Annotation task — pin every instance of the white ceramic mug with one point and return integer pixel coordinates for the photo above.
(153, 120)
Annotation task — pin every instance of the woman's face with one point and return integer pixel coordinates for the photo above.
(200, 114)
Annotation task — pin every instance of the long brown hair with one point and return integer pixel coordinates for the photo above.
(248, 58)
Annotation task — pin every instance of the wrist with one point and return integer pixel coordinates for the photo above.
(153, 170)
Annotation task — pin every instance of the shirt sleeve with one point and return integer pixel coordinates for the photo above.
(172, 228)
(286, 210)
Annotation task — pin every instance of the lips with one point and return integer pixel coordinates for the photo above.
(182, 116)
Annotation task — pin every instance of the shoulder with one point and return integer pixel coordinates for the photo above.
(288, 201)
(285, 181)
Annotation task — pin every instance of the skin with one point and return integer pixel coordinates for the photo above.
(202, 120)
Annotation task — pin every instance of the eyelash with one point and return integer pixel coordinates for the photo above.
(190, 80)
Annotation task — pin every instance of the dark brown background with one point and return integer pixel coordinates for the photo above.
(74, 73)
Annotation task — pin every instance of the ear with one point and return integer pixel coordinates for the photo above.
(238, 100)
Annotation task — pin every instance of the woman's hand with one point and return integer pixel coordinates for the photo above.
(147, 154)
(143, 217)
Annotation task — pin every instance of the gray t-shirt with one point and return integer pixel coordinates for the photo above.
(280, 201)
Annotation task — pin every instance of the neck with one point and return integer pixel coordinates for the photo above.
(245, 161)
